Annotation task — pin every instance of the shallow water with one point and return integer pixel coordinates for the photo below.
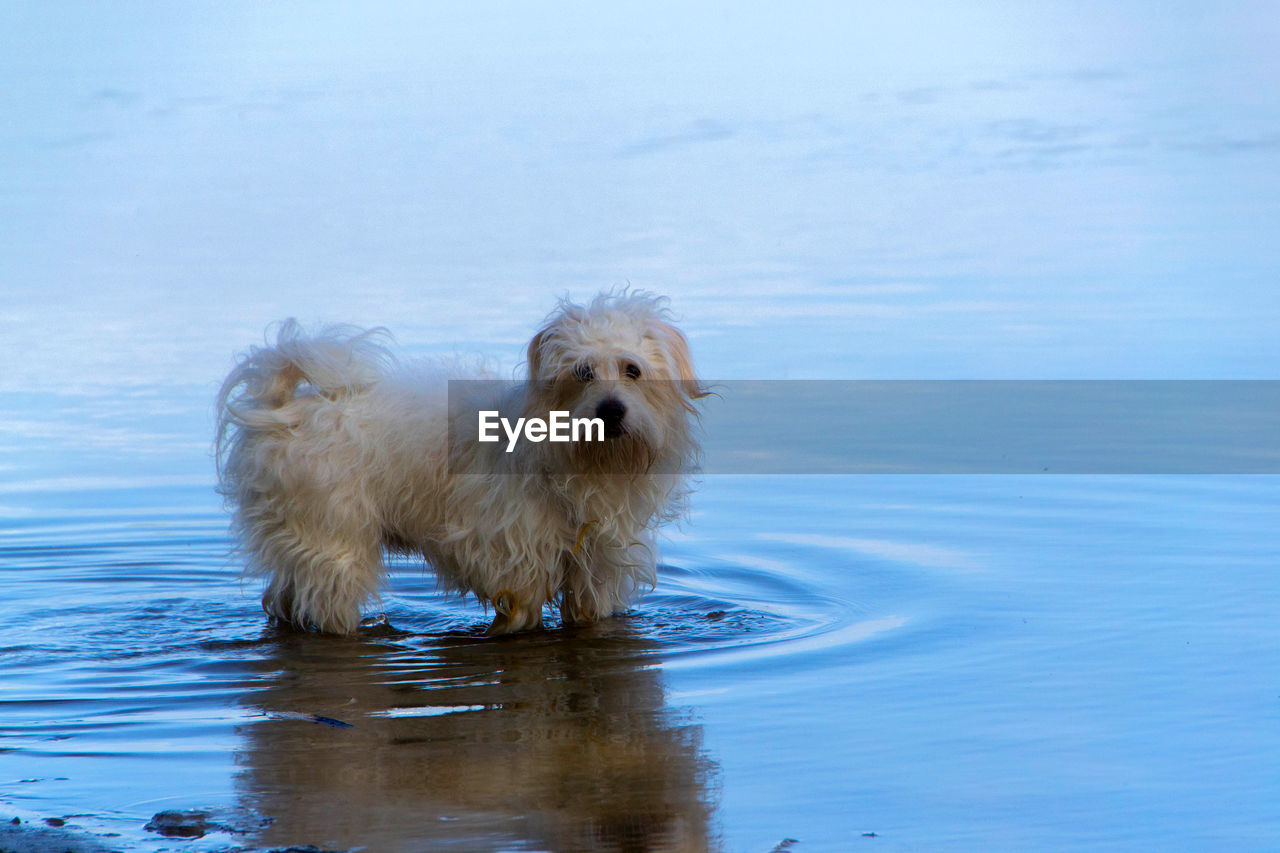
(890, 662)
(964, 662)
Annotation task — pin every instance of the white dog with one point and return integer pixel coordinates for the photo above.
(329, 453)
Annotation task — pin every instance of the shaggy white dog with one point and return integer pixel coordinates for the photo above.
(329, 452)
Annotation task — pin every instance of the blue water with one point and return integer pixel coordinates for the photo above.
(982, 191)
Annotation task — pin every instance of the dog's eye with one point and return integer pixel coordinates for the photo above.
(584, 373)
(632, 371)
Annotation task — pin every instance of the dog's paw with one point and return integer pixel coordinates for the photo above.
(513, 614)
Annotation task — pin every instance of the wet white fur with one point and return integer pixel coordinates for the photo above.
(330, 453)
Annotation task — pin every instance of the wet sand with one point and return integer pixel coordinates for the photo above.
(33, 838)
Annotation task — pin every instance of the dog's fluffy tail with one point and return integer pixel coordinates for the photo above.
(263, 391)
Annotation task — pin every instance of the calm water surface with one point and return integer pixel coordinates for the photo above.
(963, 662)
(1016, 191)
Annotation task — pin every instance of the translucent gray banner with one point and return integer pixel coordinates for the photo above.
(974, 427)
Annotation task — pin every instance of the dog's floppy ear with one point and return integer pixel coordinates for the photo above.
(676, 346)
(534, 357)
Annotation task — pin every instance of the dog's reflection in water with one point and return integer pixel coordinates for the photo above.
(562, 741)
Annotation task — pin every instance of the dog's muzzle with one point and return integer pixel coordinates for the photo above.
(612, 412)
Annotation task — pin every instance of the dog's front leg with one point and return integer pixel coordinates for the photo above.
(571, 614)
(515, 612)
(582, 599)
(599, 578)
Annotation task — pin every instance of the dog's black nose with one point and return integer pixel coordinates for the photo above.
(611, 411)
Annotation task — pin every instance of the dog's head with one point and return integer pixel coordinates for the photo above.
(619, 359)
